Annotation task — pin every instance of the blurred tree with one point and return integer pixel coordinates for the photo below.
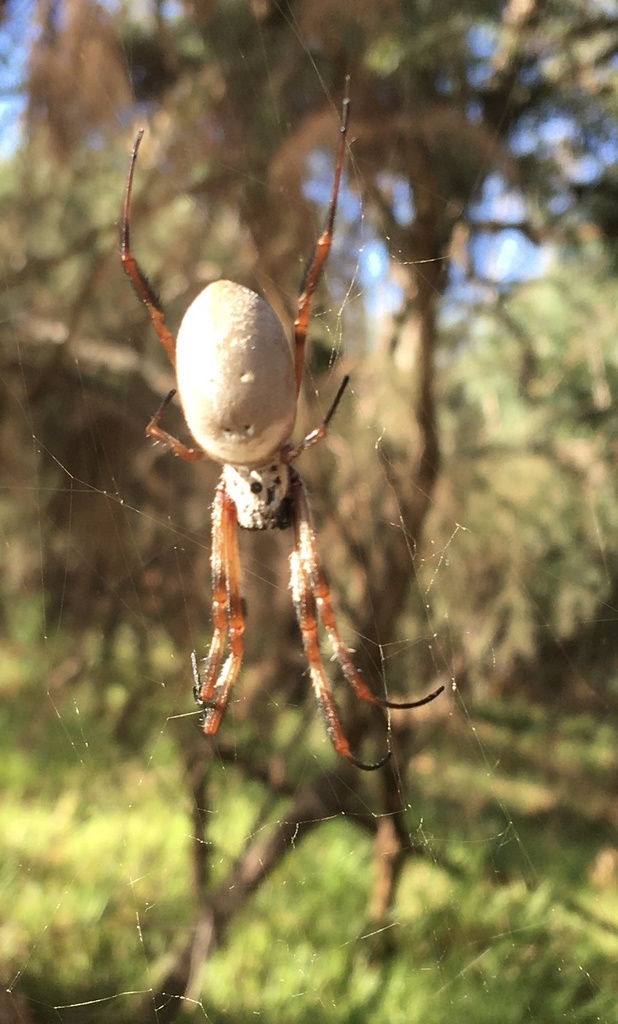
(480, 140)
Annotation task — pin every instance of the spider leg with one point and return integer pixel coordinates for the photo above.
(319, 257)
(133, 270)
(305, 606)
(308, 552)
(178, 447)
(203, 691)
(290, 454)
(304, 603)
(213, 692)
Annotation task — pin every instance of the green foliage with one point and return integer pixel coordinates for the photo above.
(529, 437)
(489, 559)
(505, 895)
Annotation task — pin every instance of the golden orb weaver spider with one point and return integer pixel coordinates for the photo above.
(238, 380)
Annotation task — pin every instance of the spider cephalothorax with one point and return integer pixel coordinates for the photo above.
(238, 382)
(261, 495)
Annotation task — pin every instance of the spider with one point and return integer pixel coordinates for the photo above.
(238, 380)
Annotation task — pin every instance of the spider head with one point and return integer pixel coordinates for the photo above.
(261, 495)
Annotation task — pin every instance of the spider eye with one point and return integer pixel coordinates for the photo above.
(256, 487)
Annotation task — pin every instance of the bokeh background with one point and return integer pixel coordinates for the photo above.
(466, 504)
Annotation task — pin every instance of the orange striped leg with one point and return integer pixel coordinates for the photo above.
(322, 249)
(133, 270)
(305, 611)
(310, 560)
(159, 434)
(213, 693)
(305, 606)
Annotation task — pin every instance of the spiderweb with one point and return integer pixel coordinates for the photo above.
(150, 874)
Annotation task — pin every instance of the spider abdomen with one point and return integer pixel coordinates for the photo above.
(235, 373)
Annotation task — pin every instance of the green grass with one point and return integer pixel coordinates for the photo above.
(505, 918)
